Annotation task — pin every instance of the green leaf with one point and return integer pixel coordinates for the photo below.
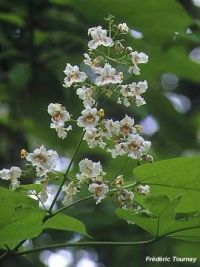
(64, 222)
(20, 217)
(27, 187)
(190, 37)
(162, 219)
(12, 18)
(163, 211)
(174, 177)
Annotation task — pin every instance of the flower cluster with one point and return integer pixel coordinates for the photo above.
(117, 137)
(91, 174)
(107, 63)
(131, 94)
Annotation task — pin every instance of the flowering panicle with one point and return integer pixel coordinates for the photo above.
(107, 63)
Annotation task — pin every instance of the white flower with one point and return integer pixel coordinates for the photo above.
(137, 90)
(12, 174)
(59, 116)
(69, 190)
(87, 60)
(44, 194)
(5, 174)
(132, 93)
(143, 189)
(122, 27)
(43, 160)
(74, 75)
(118, 150)
(137, 58)
(99, 190)
(85, 94)
(94, 137)
(89, 118)
(126, 125)
(58, 113)
(141, 87)
(112, 128)
(107, 75)
(137, 146)
(61, 130)
(99, 37)
(90, 170)
(126, 96)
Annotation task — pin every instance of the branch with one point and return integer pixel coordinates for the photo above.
(66, 174)
(70, 205)
(89, 243)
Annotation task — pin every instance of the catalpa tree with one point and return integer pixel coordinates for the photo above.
(162, 197)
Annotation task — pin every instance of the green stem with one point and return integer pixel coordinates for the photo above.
(4, 256)
(94, 243)
(66, 174)
(89, 243)
(70, 205)
(104, 243)
(110, 35)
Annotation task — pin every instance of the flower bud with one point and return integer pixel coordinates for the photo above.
(119, 181)
(129, 49)
(123, 28)
(97, 61)
(23, 153)
(110, 18)
(138, 128)
(101, 113)
(148, 158)
(119, 47)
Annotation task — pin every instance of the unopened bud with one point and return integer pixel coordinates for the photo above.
(123, 28)
(23, 153)
(138, 128)
(101, 113)
(148, 158)
(110, 18)
(119, 47)
(109, 93)
(119, 181)
(97, 61)
(121, 75)
(129, 49)
(143, 189)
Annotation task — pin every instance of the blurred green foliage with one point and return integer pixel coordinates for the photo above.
(39, 37)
